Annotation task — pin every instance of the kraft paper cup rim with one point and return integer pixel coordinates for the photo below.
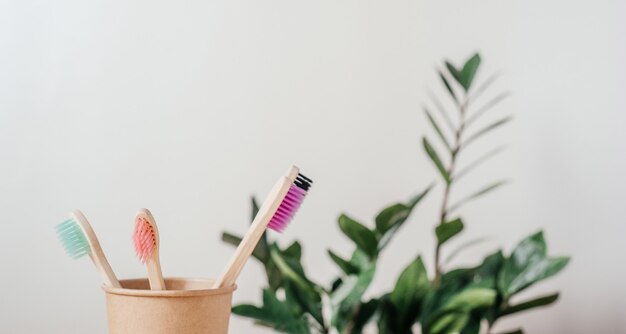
(202, 288)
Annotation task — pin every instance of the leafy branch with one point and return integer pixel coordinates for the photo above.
(459, 300)
(460, 95)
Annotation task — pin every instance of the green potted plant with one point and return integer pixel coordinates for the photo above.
(467, 300)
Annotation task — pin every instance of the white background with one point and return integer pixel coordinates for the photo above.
(188, 107)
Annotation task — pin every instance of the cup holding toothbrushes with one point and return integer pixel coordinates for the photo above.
(151, 305)
(155, 305)
(188, 305)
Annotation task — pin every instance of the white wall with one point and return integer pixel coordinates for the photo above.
(189, 107)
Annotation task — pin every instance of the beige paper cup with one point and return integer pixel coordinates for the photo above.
(188, 306)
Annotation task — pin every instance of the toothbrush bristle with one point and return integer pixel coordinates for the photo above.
(144, 239)
(73, 239)
(290, 204)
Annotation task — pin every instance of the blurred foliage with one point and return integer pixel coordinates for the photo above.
(462, 300)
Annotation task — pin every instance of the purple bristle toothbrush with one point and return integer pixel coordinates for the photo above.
(276, 212)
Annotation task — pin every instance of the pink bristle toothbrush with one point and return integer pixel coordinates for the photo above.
(276, 212)
(146, 241)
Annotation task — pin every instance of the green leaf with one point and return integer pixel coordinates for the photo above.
(361, 235)
(477, 194)
(294, 251)
(459, 277)
(488, 106)
(292, 297)
(449, 323)
(308, 301)
(464, 291)
(276, 314)
(435, 126)
(345, 299)
(259, 252)
(247, 310)
(532, 246)
(360, 260)
(465, 76)
(469, 71)
(419, 197)
(436, 160)
(456, 74)
(448, 230)
(448, 87)
(471, 299)
(524, 306)
(255, 208)
(274, 276)
(463, 247)
(411, 286)
(363, 315)
(473, 326)
(452, 283)
(298, 287)
(442, 111)
(527, 265)
(486, 274)
(336, 284)
(344, 265)
(489, 269)
(251, 311)
(487, 129)
(392, 320)
(292, 269)
(408, 293)
(471, 166)
(393, 217)
(231, 239)
(487, 189)
(535, 272)
(483, 87)
(352, 288)
(386, 317)
(344, 290)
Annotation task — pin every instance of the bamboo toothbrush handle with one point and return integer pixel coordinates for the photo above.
(155, 276)
(98, 258)
(254, 234)
(105, 269)
(292, 172)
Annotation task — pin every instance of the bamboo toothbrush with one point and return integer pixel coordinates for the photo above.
(276, 212)
(79, 239)
(146, 241)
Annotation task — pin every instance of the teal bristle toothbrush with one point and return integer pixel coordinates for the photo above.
(276, 212)
(79, 239)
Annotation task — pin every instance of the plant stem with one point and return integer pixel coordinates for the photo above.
(448, 187)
